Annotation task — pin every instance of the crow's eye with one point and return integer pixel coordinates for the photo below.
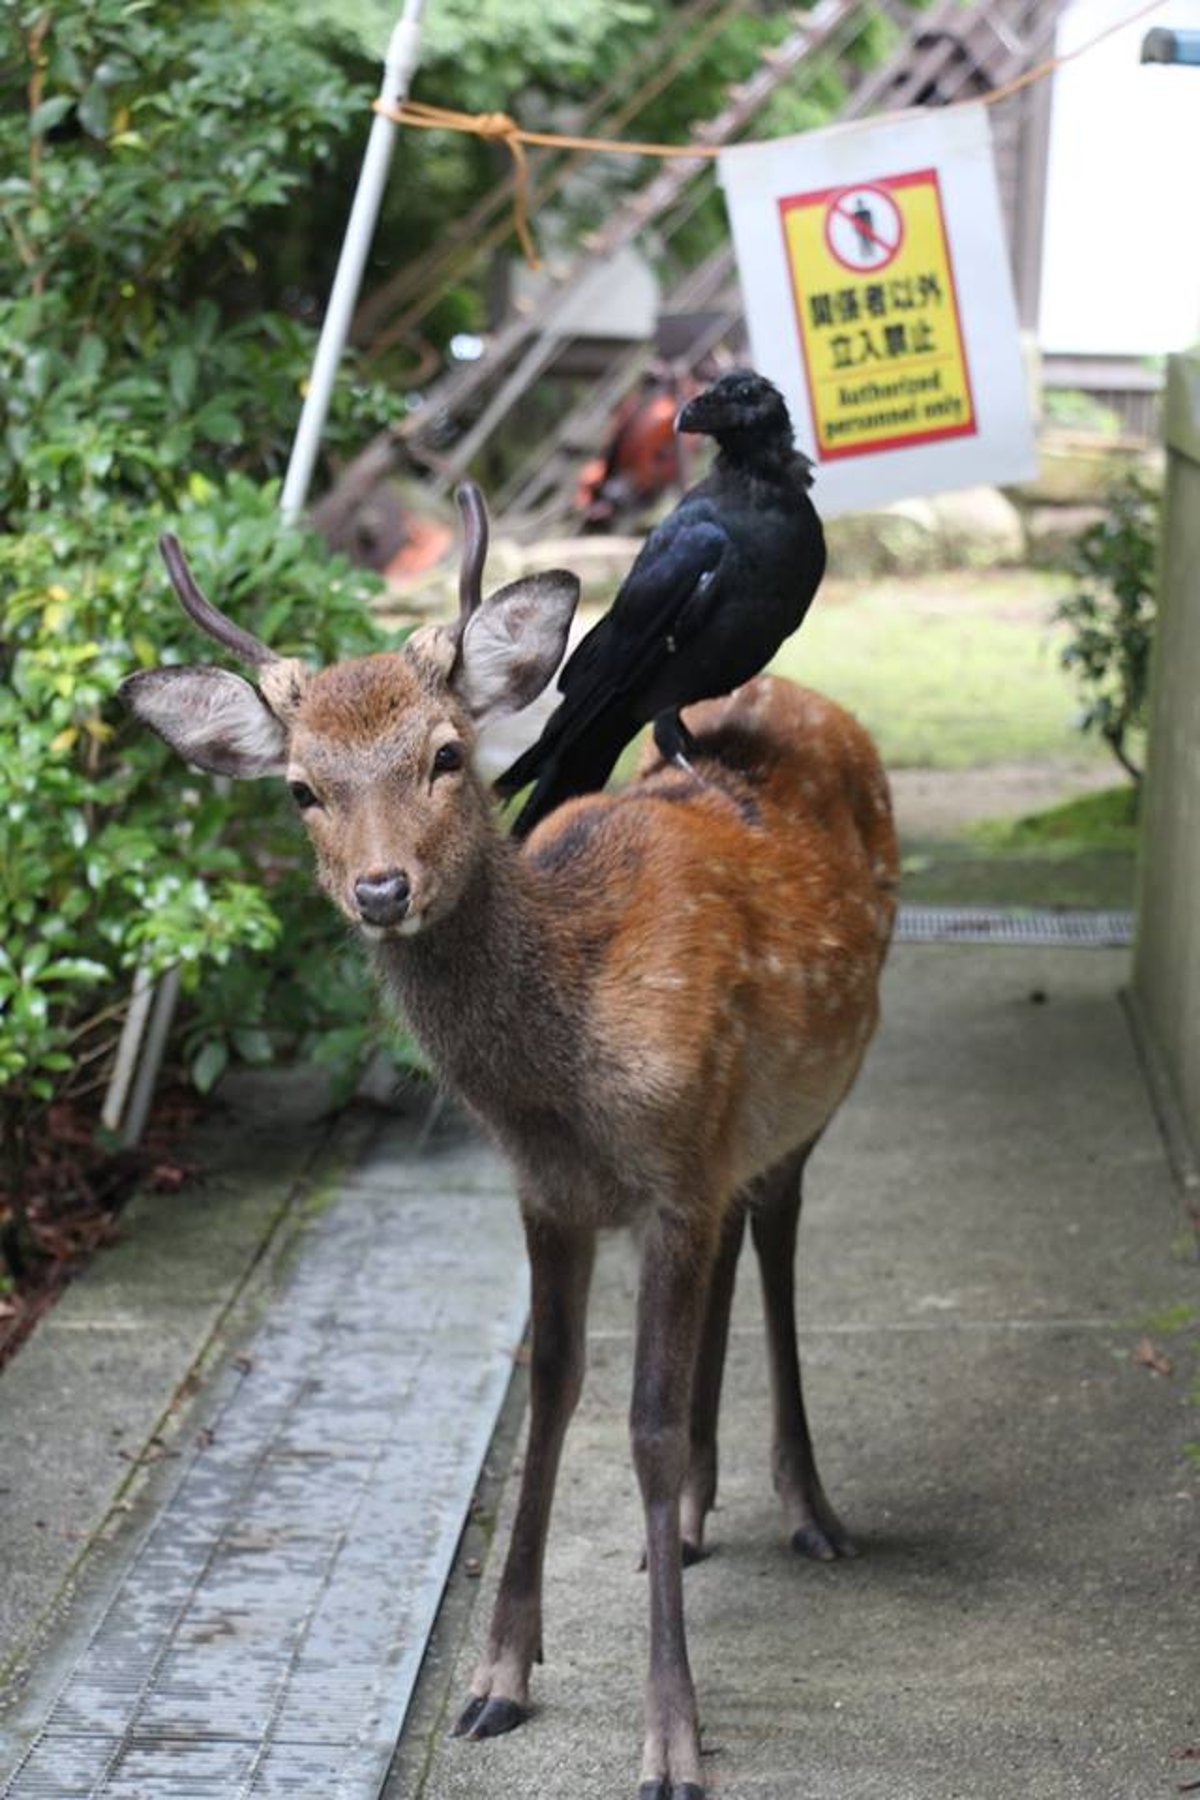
(447, 758)
(303, 795)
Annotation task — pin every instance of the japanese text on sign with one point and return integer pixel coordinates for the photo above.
(878, 315)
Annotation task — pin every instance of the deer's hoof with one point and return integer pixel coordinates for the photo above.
(666, 1790)
(483, 1718)
(822, 1545)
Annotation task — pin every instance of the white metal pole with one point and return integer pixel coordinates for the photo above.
(128, 1048)
(399, 66)
(154, 1048)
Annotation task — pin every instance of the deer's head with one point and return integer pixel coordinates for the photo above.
(377, 751)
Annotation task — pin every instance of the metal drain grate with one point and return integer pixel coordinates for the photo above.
(1013, 925)
(264, 1639)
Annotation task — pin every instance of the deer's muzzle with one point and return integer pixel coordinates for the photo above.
(382, 898)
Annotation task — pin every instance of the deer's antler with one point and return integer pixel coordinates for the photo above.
(209, 618)
(474, 551)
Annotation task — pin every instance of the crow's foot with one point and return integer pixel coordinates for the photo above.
(674, 742)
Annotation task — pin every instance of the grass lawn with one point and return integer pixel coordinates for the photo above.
(1103, 821)
(953, 672)
(1080, 854)
(1083, 853)
(945, 874)
(947, 671)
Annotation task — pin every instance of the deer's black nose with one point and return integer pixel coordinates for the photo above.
(382, 899)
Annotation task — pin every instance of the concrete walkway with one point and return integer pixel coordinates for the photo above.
(233, 1635)
(992, 1229)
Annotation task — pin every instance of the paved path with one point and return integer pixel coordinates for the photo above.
(991, 1230)
(257, 1629)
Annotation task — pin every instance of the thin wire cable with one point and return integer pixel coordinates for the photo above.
(502, 128)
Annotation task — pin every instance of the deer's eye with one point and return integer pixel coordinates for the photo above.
(447, 758)
(303, 795)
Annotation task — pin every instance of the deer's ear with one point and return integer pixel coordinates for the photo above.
(215, 720)
(513, 643)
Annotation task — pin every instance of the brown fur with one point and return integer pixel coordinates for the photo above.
(655, 1006)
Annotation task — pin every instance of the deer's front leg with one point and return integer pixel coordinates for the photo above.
(676, 1260)
(561, 1267)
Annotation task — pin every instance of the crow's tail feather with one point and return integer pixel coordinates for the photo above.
(525, 769)
(581, 767)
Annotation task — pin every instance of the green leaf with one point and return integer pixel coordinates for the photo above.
(218, 424)
(253, 1046)
(50, 113)
(75, 968)
(210, 1064)
(93, 111)
(182, 370)
(91, 356)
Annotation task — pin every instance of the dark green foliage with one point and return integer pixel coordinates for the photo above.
(142, 146)
(1111, 616)
(174, 183)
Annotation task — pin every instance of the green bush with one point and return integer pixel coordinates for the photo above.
(133, 396)
(111, 853)
(1111, 616)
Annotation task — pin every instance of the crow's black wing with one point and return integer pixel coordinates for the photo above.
(678, 566)
(668, 588)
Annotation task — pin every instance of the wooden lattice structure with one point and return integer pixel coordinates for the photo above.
(953, 52)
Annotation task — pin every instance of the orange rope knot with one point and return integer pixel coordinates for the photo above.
(497, 127)
(502, 129)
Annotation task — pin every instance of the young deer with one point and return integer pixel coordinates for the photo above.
(655, 1005)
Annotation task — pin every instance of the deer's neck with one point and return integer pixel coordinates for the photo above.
(482, 991)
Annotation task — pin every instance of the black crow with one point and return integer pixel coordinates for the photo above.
(716, 588)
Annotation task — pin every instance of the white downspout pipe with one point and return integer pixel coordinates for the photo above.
(398, 69)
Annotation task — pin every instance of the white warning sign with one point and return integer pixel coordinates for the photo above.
(875, 277)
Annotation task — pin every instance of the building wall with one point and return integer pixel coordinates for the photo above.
(1167, 960)
(1121, 265)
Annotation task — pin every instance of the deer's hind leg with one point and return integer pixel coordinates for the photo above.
(700, 1483)
(812, 1524)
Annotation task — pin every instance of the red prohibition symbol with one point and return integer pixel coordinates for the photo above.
(864, 229)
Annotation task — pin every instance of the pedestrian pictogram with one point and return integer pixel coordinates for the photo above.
(878, 318)
(864, 228)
